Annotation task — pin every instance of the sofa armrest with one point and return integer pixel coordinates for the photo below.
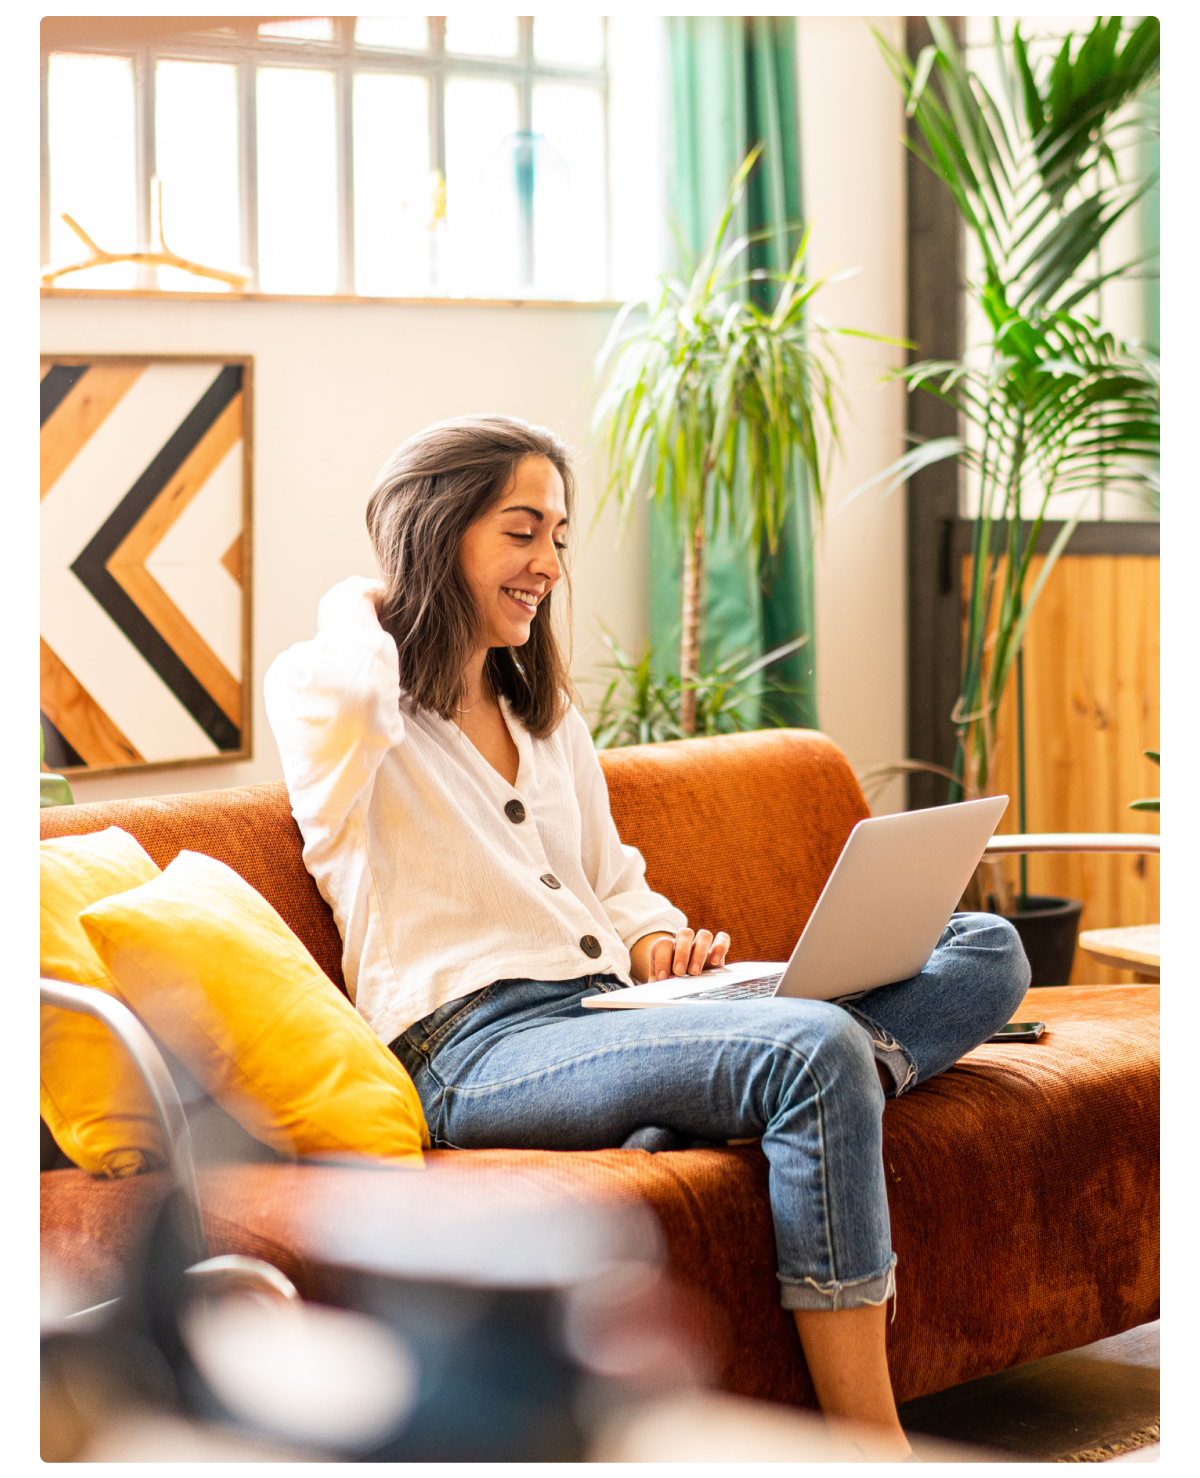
(155, 1074)
(1017, 843)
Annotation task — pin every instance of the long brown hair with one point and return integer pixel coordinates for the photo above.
(428, 493)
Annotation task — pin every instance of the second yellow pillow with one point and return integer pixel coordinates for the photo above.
(218, 976)
(93, 1098)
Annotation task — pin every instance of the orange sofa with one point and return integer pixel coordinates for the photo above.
(1023, 1183)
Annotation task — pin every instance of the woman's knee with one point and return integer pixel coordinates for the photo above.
(841, 1053)
(1017, 969)
(1002, 962)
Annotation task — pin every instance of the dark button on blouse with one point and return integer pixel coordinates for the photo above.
(550, 880)
(590, 945)
(515, 811)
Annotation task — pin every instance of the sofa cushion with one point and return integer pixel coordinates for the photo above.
(250, 829)
(1023, 1188)
(220, 979)
(92, 1097)
(740, 831)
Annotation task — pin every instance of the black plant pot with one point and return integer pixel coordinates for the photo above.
(1048, 928)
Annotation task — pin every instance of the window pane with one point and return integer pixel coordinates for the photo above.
(196, 158)
(568, 202)
(574, 40)
(393, 188)
(396, 32)
(92, 164)
(481, 34)
(297, 181)
(636, 116)
(481, 211)
(308, 28)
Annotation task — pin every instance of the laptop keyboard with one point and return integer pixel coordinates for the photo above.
(743, 990)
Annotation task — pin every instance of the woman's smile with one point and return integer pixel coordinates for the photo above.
(526, 599)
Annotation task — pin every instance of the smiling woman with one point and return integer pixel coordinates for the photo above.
(455, 816)
(436, 766)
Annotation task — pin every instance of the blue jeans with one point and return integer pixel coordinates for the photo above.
(522, 1065)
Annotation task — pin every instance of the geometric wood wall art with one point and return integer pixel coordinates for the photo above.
(145, 534)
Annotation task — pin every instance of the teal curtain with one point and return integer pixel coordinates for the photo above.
(731, 84)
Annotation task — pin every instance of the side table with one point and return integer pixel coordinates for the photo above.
(1135, 949)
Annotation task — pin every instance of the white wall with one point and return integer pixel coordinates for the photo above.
(336, 387)
(852, 129)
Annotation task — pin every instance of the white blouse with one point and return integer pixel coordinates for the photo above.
(441, 876)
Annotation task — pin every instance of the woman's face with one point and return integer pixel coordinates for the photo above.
(510, 555)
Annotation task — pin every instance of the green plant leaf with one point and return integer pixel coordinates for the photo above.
(55, 791)
(898, 472)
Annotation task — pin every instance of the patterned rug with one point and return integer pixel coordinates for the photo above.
(1145, 1437)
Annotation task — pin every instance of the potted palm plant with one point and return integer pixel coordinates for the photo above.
(1051, 403)
(717, 405)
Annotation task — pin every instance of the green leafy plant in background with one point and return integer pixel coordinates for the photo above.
(55, 790)
(717, 405)
(1150, 803)
(638, 708)
(1052, 403)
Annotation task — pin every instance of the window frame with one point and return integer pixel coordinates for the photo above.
(244, 48)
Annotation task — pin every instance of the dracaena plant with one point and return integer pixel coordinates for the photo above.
(717, 404)
(1051, 403)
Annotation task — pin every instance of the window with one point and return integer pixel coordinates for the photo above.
(401, 156)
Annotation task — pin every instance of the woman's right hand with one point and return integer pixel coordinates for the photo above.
(687, 953)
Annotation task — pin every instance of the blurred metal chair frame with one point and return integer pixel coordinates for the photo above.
(210, 1275)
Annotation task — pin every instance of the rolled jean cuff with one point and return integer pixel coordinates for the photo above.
(807, 1293)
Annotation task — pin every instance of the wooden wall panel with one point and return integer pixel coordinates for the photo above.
(1091, 708)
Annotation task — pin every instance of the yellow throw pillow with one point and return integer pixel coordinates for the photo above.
(216, 974)
(93, 1098)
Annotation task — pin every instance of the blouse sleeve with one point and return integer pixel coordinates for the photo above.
(616, 872)
(333, 704)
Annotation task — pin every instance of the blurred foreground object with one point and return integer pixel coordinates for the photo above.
(1159, 1458)
(323, 1377)
(469, 1319)
(705, 1427)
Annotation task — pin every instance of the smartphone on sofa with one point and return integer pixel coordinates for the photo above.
(1019, 1031)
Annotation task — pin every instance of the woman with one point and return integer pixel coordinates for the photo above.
(456, 820)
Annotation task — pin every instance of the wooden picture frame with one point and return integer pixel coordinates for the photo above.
(147, 595)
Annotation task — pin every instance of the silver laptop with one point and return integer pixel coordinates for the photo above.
(878, 919)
